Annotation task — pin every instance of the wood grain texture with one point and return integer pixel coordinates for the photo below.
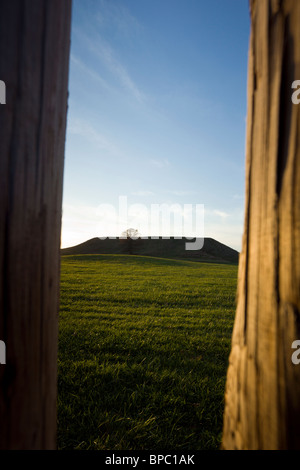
(34, 64)
(262, 406)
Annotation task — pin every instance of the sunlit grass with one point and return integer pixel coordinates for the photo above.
(143, 352)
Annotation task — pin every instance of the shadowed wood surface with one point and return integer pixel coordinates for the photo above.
(34, 62)
(262, 406)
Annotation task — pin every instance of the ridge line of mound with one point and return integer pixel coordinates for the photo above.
(172, 248)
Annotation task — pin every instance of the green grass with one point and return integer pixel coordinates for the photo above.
(143, 352)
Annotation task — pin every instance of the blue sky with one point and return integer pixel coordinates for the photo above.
(157, 114)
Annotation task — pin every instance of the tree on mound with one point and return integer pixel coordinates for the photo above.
(128, 237)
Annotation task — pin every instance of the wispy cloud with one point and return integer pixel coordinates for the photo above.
(177, 192)
(159, 163)
(238, 196)
(105, 55)
(221, 214)
(86, 130)
(89, 72)
(117, 17)
(142, 193)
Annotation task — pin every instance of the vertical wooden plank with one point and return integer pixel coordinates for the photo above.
(261, 404)
(34, 63)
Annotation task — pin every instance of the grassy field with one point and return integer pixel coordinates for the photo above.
(143, 352)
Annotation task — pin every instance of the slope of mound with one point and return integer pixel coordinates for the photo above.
(212, 250)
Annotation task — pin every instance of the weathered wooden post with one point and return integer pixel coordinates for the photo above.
(262, 404)
(34, 63)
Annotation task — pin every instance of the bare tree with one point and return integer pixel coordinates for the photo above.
(34, 64)
(132, 233)
(262, 406)
(128, 236)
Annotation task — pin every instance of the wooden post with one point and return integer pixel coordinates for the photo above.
(262, 405)
(34, 64)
